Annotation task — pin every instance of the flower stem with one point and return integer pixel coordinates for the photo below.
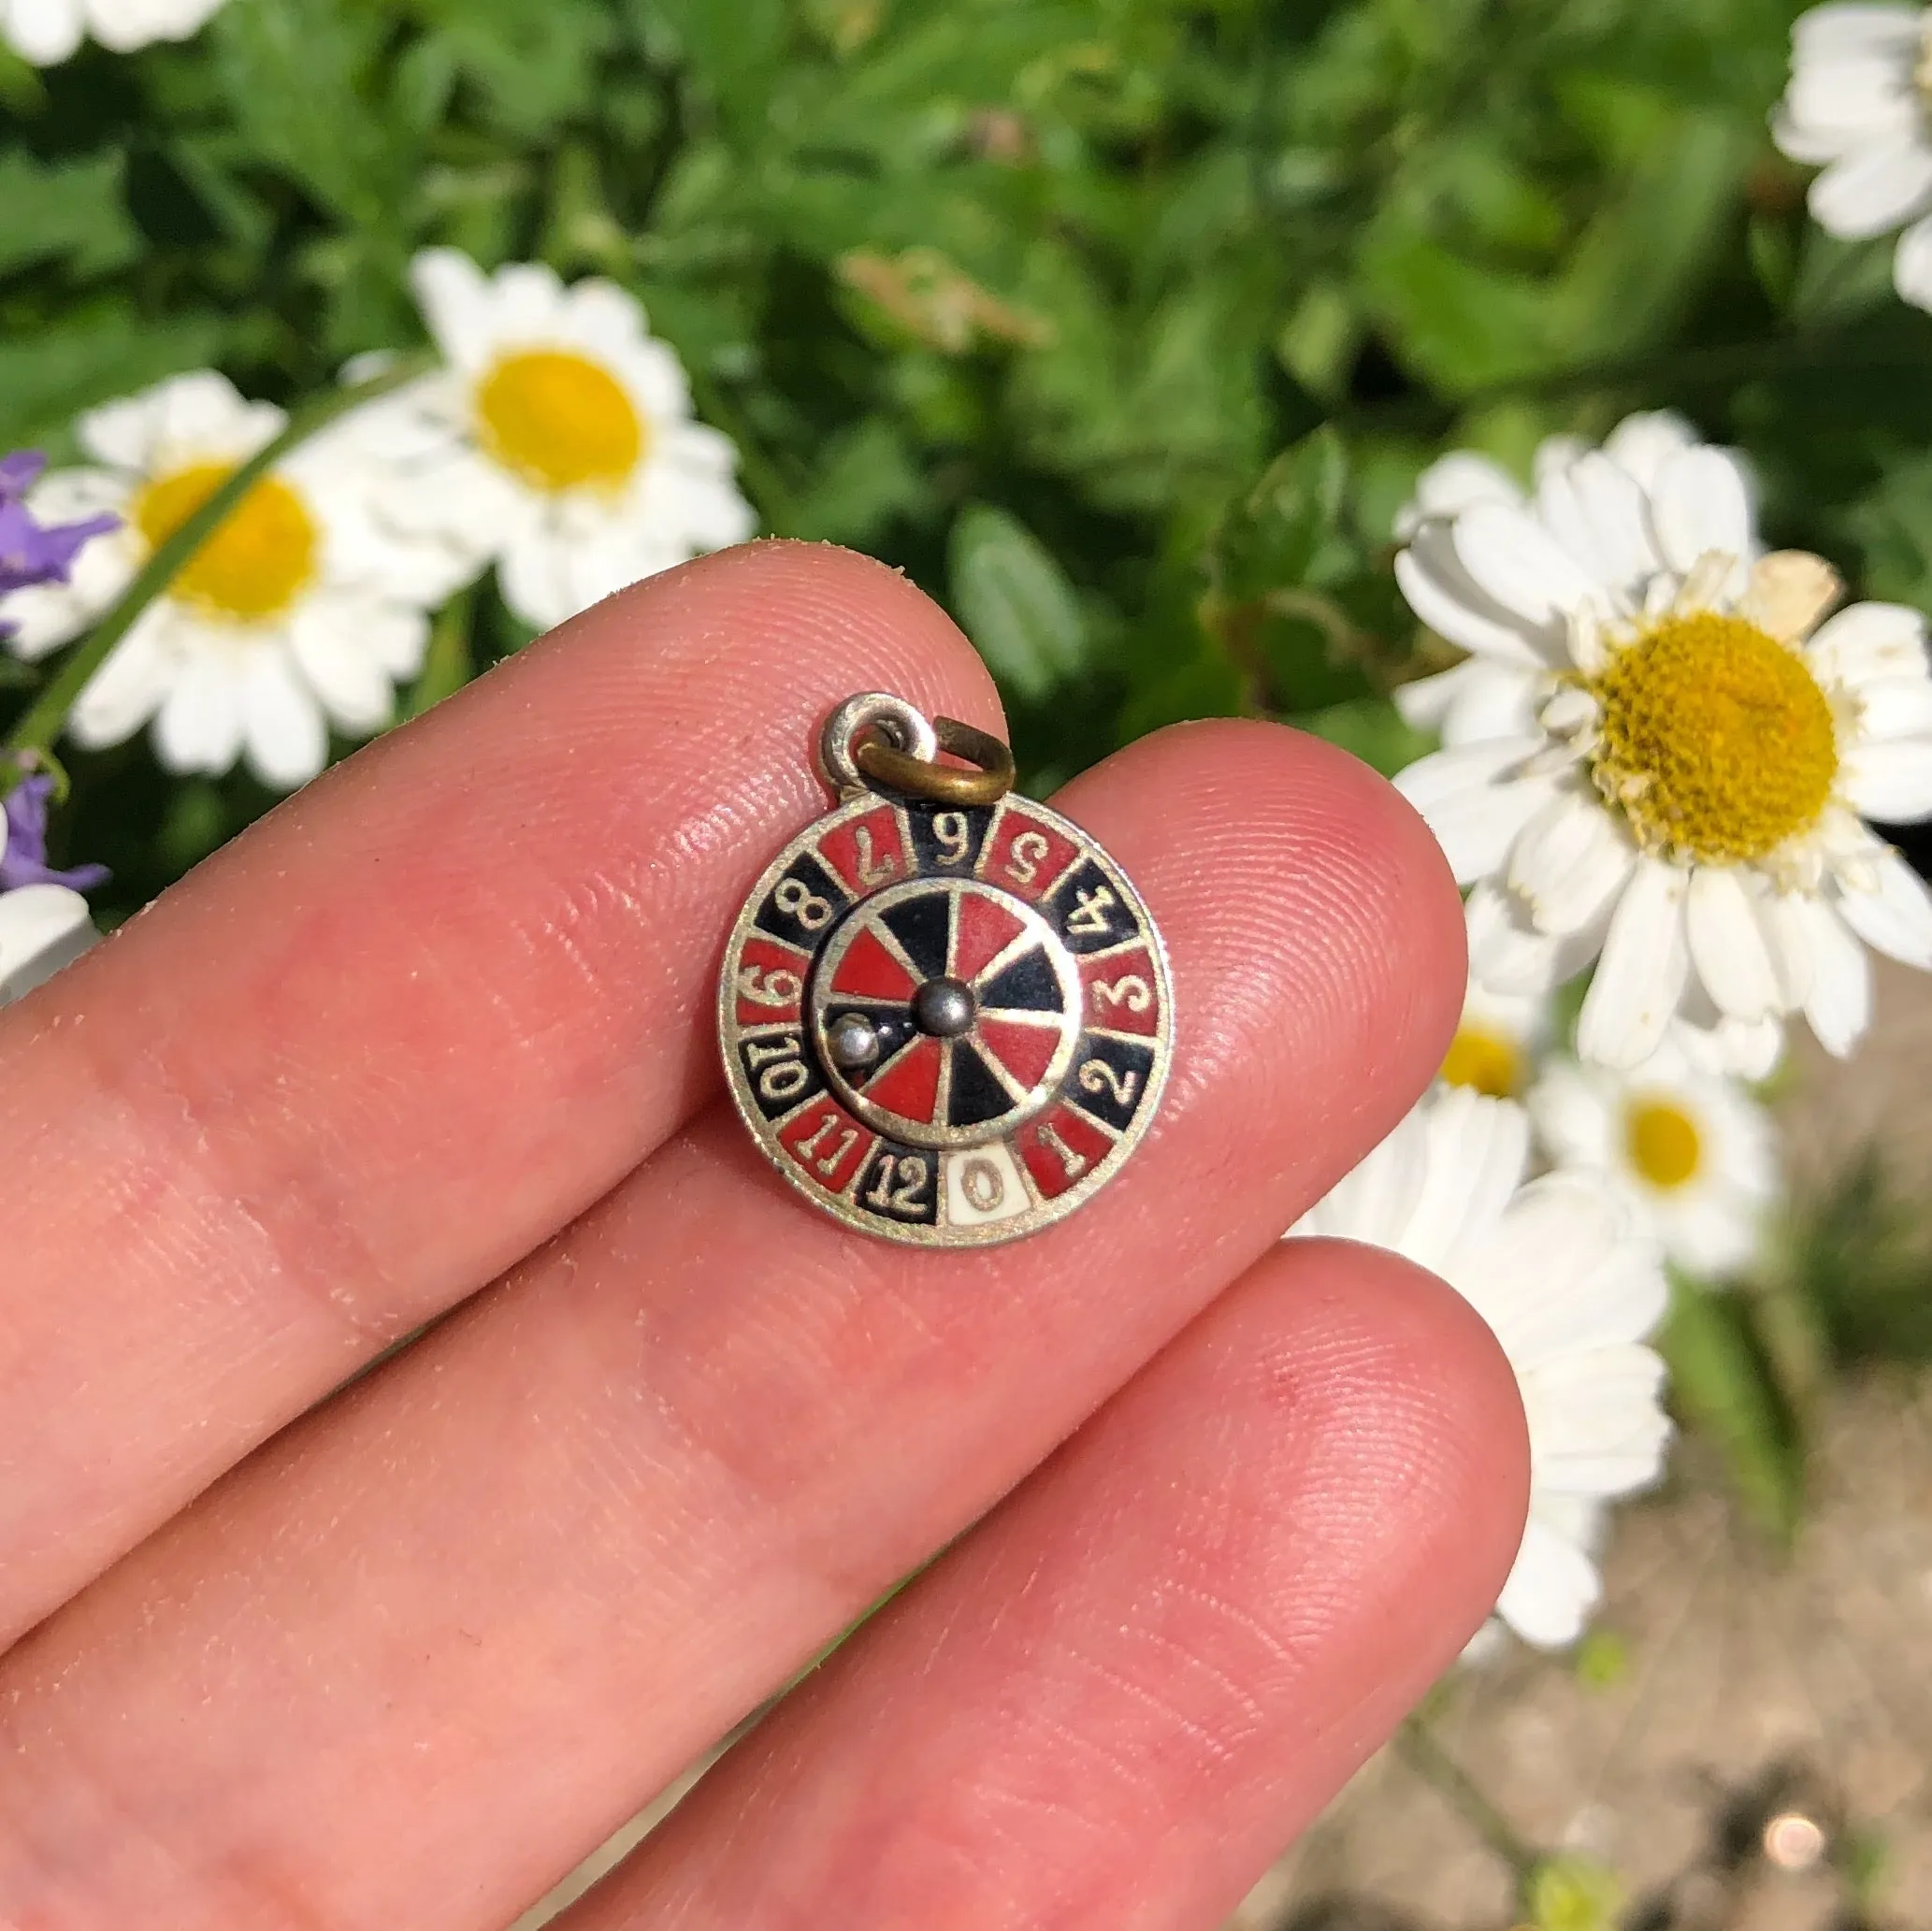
(1434, 1765)
(48, 715)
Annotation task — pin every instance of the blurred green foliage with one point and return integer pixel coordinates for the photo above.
(1122, 326)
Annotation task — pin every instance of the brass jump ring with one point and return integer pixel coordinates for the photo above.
(921, 777)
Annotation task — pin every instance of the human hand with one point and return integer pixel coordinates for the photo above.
(445, 1019)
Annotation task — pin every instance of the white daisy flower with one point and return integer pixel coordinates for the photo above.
(1570, 1281)
(1498, 1040)
(42, 928)
(558, 441)
(1690, 1150)
(44, 32)
(1857, 105)
(298, 612)
(1656, 756)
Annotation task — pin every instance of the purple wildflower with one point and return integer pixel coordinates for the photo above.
(23, 857)
(30, 553)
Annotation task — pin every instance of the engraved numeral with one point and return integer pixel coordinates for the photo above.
(1074, 1164)
(1024, 856)
(835, 1159)
(872, 870)
(781, 1074)
(797, 898)
(983, 1184)
(769, 986)
(1091, 918)
(953, 835)
(1134, 992)
(1097, 1076)
(908, 1196)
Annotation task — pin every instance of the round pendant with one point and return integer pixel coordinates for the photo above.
(945, 1013)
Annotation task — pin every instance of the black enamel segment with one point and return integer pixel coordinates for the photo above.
(901, 1184)
(781, 1072)
(1110, 1079)
(893, 1024)
(921, 924)
(815, 881)
(948, 857)
(1029, 985)
(977, 1096)
(1090, 911)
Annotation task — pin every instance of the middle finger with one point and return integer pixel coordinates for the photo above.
(505, 1588)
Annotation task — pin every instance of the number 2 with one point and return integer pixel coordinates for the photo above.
(1023, 857)
(1097, 1076)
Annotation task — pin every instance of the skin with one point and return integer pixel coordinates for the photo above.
(434, 1040)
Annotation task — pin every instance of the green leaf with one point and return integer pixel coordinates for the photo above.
(1013, 600)
(868, 476)
(1370, 729)
(71, 211)
(1722, 1386)
(92, 357)
(1272, 537)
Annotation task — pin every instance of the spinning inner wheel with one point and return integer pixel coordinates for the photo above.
(946, 1012)
(946, 1023)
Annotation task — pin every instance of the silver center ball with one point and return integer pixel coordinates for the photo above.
(943, 1008)
(853, 1041)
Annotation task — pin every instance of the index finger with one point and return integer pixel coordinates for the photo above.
(401, 1031)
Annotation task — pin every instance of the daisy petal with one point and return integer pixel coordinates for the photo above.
(1728, 946)
(1895, 707)
(1895, 915)
(450, 289)
(1597, 511)
(42, 32)
(1641, 974)
(1438, 591)
(1450, 484)
(1890, 779)
(1552, 1589)
(1513, 560)
(1839, 1005)
(198, 728)
(1570, 863)
(1701, 504)
(1643, 444)
(1856, 27)
(1869, 640)
(1475, 819)
(1911, 265)
(1873, 188)
(286, 741)
(120, 697)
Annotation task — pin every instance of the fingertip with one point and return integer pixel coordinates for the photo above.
(1387, 1407)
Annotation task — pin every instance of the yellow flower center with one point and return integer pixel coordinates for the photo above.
(560, 421)
(1486, 1061)
(260, 556)
(1662, 1143)
(1717, 743)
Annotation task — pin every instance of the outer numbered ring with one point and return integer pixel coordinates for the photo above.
(946, 1026)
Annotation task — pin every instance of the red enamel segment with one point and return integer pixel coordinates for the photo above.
(1123, 992)
(829, 1143)
(982, 930)
(1025, 1051)
(770, 981)
(1060, 1148)
(909, 1087)
(867, 852)
(1025, 854)
(868, 971)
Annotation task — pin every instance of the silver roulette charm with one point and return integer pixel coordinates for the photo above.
(945, 1013)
